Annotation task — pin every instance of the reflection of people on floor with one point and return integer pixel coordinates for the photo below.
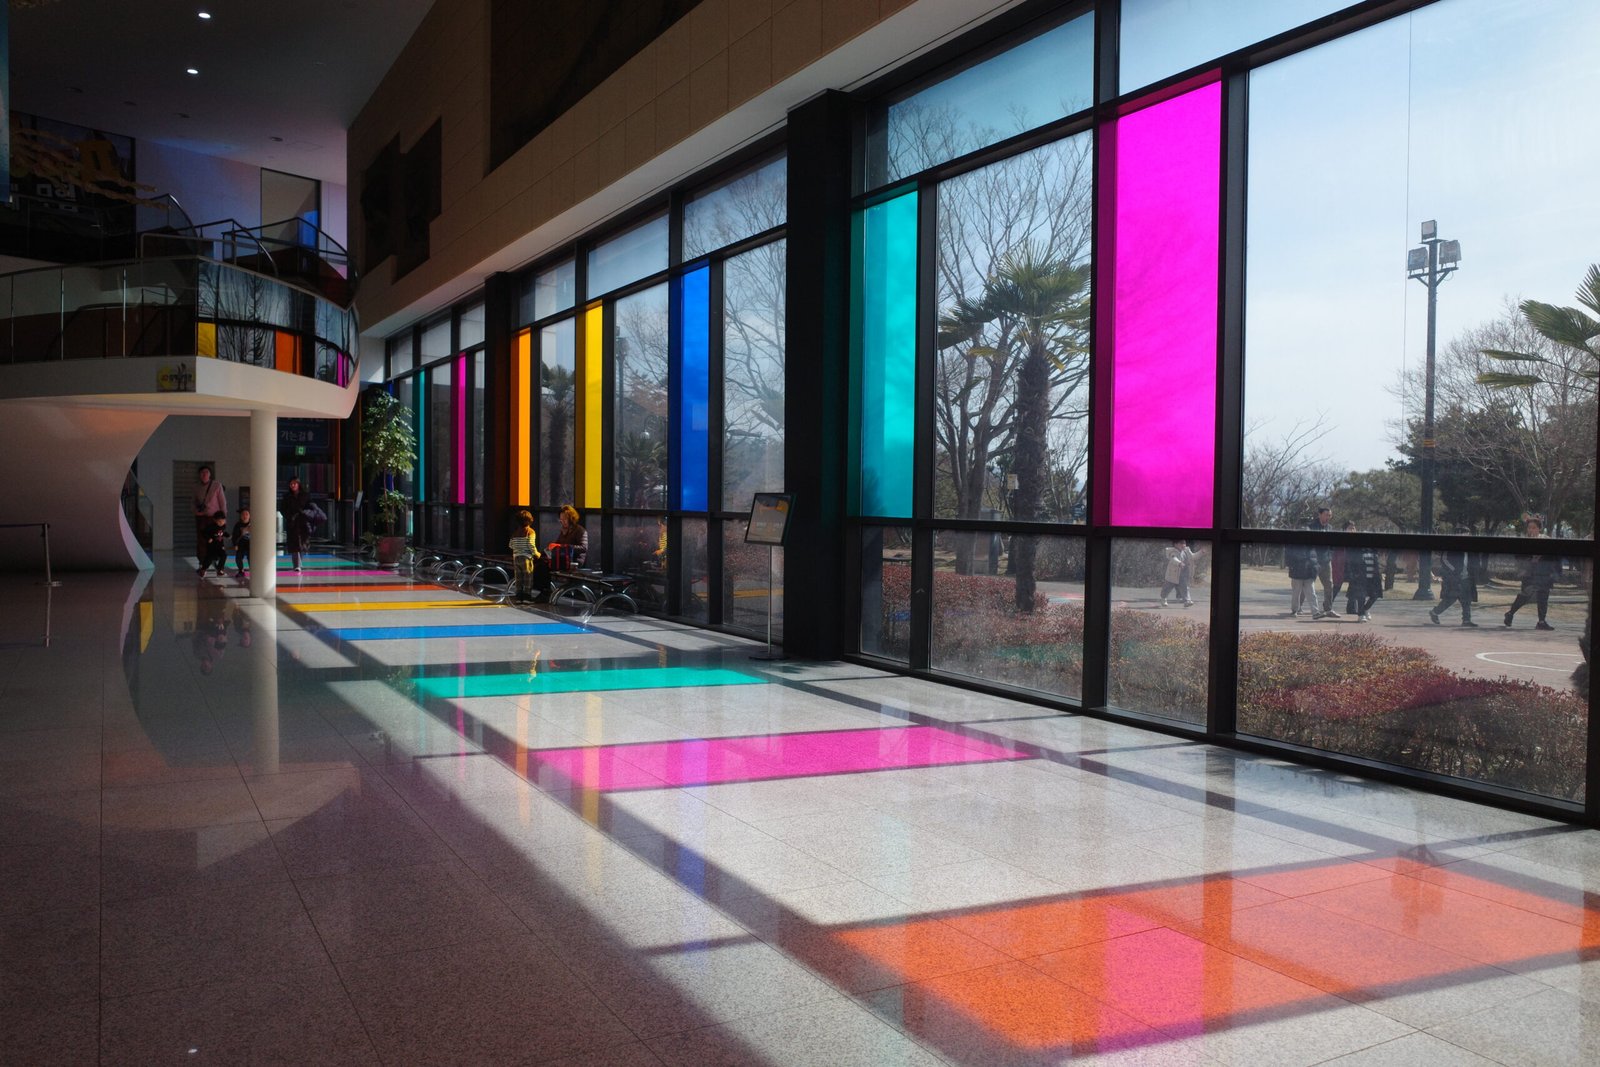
(1539, 574)
(210, 639)
(1456, 584)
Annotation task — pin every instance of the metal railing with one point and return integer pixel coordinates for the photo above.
(175, 306)
(293, 249)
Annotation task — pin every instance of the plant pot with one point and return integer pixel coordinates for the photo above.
(389, 550)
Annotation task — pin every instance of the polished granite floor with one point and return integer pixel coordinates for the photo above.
(377, 822)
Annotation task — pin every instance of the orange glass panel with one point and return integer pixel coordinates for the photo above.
(286, 351)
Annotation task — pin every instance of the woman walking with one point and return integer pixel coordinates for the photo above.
(296, 522)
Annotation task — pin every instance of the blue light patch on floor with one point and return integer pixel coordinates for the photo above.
(406, 633)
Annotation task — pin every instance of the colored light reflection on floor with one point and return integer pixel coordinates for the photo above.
(404, 633)
(1126, 968)
(750, 759)
(363, 587)
(503, 685)
(399, 605)
(285, 574)
(323, 564)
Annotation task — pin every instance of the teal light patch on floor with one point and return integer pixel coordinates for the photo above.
(504, 685)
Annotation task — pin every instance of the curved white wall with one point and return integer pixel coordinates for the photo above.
(65, 465)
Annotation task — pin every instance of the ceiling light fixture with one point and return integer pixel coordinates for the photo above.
(190, 70)
(204, 14)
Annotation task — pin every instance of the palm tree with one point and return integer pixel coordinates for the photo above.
(1039, 303)
(1565, 326)
(1571, 328)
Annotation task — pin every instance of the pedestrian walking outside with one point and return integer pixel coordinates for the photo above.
(1539, 574)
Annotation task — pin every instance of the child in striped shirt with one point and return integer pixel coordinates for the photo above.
(524, 552)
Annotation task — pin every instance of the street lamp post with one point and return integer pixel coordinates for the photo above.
(1430, 264)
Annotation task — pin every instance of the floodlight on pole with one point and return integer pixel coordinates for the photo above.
(1431, 264)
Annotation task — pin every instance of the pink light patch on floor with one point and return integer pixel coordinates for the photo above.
(717, 760)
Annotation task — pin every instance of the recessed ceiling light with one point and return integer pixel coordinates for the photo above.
(190, 70)
(204, 14)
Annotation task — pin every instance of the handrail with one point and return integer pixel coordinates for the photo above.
(198, 234)
(323, 235)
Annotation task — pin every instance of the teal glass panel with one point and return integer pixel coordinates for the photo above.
(886, 355)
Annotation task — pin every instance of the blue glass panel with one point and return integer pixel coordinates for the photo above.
(691, 389)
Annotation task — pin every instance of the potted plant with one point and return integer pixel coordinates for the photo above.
(388, 450)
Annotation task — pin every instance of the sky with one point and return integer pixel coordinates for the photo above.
(1476, 113)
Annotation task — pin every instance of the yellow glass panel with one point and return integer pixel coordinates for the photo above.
(590, 411)
(205, 339)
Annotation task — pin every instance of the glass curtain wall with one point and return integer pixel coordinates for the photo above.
(1167, 426)
(438, 371)
(658, 409)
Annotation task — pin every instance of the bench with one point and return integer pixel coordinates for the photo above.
(595, 588)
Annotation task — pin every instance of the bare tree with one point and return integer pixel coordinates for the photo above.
(1011, 374)
(1284, 478)
(1535, 442)
(640, 351)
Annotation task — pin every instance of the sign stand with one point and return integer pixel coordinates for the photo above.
(768, 654)
(769, 525)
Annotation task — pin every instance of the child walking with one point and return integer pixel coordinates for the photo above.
(216, 547)
(241, 544)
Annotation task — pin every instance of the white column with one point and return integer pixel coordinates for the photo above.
(263, 503)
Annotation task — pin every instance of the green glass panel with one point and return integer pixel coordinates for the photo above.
(501, 685)
(886, 355)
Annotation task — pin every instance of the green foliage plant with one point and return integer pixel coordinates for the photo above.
(388, 449)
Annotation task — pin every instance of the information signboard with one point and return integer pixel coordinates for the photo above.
(769, 519)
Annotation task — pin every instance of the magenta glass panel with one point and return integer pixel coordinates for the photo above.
(461, 429)
(1164, 315)
(656, 765)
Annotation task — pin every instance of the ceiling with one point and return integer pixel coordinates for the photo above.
(279, 80)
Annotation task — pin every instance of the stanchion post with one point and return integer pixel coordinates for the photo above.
(44, 532)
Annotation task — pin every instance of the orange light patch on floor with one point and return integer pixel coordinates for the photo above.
(899, 952)
(1017, 1007)
(1471, 924)
(1199, 956)
(1180, 985)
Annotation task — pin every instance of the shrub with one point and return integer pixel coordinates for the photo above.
(1347, 693)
